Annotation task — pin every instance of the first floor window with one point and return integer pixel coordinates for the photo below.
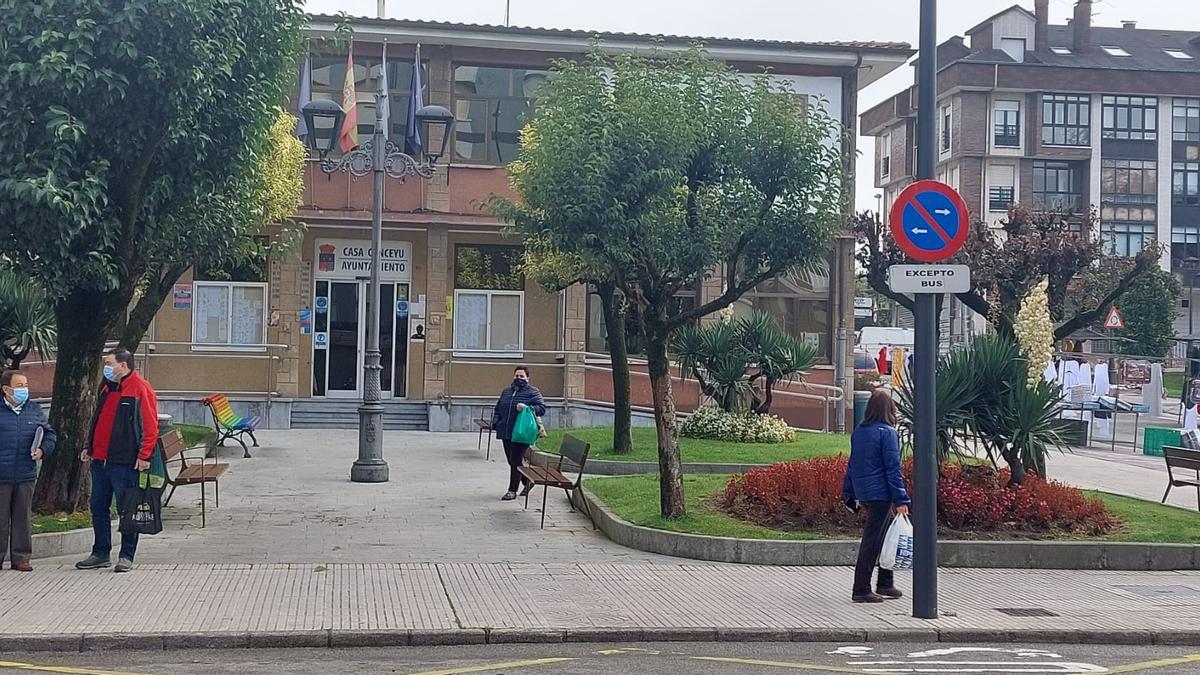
(597, 331)
(1185, 183)
(1126, 239)
(1185, 243)
(490, 321)
(1007, 124)
(799, 304)
(1066, 119)
(229, 313)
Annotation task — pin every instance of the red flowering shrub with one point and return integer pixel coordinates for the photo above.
(807, 495)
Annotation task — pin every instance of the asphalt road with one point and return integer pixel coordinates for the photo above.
(643, 659)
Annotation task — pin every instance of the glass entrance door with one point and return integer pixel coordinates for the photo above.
(339, 345)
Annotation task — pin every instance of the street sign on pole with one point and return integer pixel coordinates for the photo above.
(1114, 319)
(925, 341)
(930, 221)
(929, 278)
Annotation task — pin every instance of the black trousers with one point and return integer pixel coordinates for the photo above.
(515, 452)
(879, 516)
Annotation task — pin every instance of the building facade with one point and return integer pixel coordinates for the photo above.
(288, 339)
(1063, 118)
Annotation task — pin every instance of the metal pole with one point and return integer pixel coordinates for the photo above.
(370, 466)
(925, 596)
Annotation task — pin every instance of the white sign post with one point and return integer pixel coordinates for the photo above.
(929, 278)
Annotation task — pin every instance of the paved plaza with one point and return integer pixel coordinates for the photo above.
(297, 555)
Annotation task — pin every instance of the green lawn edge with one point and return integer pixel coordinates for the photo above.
(635, 499)
(808, 444)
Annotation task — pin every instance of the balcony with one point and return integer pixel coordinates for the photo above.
(1007, 136)
(1058, 202)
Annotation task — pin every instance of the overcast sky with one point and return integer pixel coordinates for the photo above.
(883, 20)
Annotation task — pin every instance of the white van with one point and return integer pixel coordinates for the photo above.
(871, 338)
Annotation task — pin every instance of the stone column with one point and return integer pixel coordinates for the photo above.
(436, 191)
(290, 287)
(575, 339)
(710, 289)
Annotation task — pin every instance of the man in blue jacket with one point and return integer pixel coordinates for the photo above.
(20, 419)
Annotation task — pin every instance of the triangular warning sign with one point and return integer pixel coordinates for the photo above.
(1114, 319)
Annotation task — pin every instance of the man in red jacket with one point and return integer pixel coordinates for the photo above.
(124, 433)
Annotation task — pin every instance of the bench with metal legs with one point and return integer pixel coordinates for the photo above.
(573, 450)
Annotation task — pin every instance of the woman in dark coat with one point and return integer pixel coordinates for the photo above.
(875, 482)
(20, 420)
(513, 399)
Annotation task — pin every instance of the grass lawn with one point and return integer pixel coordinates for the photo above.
(1173, 383)
(61, 522)
(808, 444)
(193, 434)
(635, 498)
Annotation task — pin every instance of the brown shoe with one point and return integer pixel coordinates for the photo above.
(869, 597)
(890, 593)
(22, 567)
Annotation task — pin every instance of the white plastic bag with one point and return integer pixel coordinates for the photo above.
(897, 553)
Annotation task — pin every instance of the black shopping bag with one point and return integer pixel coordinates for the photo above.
(141, 511)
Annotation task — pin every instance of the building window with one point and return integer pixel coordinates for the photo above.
(1185, 243)
(947, 120)
(885, 155)
(1178, 54)
(1057, 186)
(1133, 118)
(329, 72)
(489, 298)
(491, 106)
(1129, 190)
(229, 313)
(1126, 239)
(1007, 124)
(1185, 184)
(799, 304)
(1066, 119)
(1061, 51)
(1112, 50)
(1186, 116)
(597, 332)
(1014, 47)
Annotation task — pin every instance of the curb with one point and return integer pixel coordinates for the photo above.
(345, 639)
(1077, 555)
(610, 467)
(55, 544)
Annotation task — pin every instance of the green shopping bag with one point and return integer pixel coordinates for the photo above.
(525, 429)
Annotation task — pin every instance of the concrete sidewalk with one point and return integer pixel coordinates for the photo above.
(215, 606)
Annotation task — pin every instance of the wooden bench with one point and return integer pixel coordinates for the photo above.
(573, 450)
(485, 426)
(174, 451)
(230, 425)
(1184, 460)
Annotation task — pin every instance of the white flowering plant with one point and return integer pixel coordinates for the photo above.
(1035, 332)
(711, 422)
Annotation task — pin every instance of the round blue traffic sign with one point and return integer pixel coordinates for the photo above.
(929, 221)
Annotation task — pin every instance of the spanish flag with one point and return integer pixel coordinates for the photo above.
(349, 139)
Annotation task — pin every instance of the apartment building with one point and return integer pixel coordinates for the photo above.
(1063, 118)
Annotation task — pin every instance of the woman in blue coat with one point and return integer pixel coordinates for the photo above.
(20, 419)
(875, 482)
(513, 399)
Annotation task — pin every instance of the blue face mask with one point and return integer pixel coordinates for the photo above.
(20, 395)
(110, 374)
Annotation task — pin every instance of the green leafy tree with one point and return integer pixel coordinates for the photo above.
(1006, 263)
(26, 318)
(670, 168)
(557, 270)
(1149, 309)
(122, 124)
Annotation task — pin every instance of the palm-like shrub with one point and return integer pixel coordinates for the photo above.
(739, 363)
(27, 322)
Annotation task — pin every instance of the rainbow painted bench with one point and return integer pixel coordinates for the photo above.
(229, 424)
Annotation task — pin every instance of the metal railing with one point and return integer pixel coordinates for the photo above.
(829, 396)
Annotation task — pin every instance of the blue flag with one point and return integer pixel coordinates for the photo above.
(386, 100)
(412, 134)
(305, 96)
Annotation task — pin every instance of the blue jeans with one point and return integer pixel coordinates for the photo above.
(109, 481)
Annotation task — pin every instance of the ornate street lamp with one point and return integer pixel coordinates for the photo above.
(379, 157)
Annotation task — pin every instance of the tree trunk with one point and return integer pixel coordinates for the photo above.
(83, 322)
(670, 470)
(161, 284)
(618, 350)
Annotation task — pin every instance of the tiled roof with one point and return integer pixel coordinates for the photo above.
(1145, 47)
(901, 47)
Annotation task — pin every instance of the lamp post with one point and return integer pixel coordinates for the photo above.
(378, 157)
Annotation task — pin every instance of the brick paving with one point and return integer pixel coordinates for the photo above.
(176, 600)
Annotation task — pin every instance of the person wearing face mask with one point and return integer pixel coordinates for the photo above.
(513, 399)
(20, 419)
(124, 433)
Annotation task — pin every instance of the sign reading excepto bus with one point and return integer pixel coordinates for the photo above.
(910, 279)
